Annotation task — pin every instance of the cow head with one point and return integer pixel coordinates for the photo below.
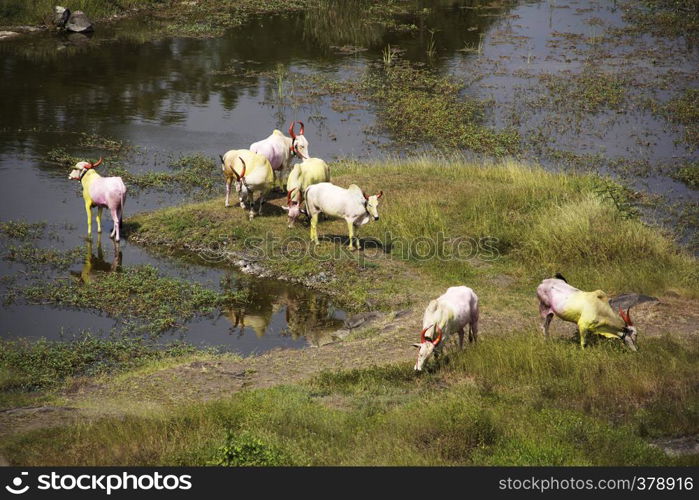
(426, 347)
(628, 334)
(372, 204)
(294, 200)
(81, 168)
(299, 143)
(241, 185)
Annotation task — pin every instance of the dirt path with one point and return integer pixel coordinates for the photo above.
(383, 340)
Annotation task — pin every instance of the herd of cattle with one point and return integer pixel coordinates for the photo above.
(309, 190)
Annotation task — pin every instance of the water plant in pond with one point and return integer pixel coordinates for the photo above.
(157, 303)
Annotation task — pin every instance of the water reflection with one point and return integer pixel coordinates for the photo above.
(284, 310)
(96, 263)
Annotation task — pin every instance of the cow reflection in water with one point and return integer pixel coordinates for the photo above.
(97, 263)
(281, 310)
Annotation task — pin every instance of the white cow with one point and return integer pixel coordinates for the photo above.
(310, 171)
(450, 313)
(350, 204)
(280, 149)
(252, 173)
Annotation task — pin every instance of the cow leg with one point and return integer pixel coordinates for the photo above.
(99, 219)
(583, 337)
(115, 218)
(89, 218)
(314, 228)
(251, 199)
(461, 338)
(547, 322)
(473, 331)
(229, 180)
(262, 200)
(350, 228)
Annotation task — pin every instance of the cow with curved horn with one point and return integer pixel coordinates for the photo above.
(252, 174)
(450, 313)
(350, 204)
(589, 310)
(310, 171)
(100, 192)
(280, 149)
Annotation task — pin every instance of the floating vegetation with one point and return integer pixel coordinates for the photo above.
(139, 293)
(418, 106)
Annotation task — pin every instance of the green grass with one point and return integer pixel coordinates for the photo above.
(512, 400)
(46, 364)
(689, 174)
(416, 105)
(140, 294)
(519, 222)
(188, 172)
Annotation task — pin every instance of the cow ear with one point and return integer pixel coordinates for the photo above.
(417, 345)
(285, 208)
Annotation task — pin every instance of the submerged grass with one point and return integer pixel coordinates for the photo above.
(589, 91)
(444, 222)
(514, 400)
(188, 172)
(418, 106)
(139, 293)
(684, 109)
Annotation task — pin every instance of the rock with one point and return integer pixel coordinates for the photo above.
(78, 22)
(339, 334)
(60, 16)
(628, 300)
(7, 34)
(360, 319)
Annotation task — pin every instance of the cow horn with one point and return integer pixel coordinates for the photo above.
(422, 334)
(625, 316)
(301, 131)
(439, 336)
(97, 164)
(379, 195)
(244, 168)
(291, 130)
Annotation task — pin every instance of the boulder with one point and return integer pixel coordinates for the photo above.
(78, 22)
(75, 22)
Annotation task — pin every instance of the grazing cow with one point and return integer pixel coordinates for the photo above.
(449, 313)
(311, 171)
(252, 173)
(350, 204)
(100, 192)
(280, 149)
(590, 310)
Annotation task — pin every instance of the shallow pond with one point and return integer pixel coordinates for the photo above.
(174, 96)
